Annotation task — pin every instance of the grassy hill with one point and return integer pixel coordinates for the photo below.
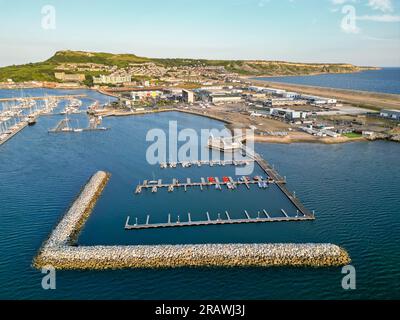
(44, 71)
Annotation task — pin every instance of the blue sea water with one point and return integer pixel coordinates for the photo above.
(386, 80)
(353, 188)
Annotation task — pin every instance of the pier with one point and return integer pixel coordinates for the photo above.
(25, 120)
(14, 131)
(230, 183)
(281, 185)
(211, 163)
(64, 127)
(279, 181)
(262, 217)
(192, 223)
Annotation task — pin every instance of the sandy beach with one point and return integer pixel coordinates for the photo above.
(298, 137)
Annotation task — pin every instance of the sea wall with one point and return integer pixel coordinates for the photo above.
(72, 222)
(59, 252)
(210, 255)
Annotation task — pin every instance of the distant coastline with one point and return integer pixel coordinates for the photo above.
(379, 80)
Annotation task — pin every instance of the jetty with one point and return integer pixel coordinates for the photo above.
(64, 127)
(280, 182)
(229, 182)
(13, 131)
(22, 121)
(276, 177)
(262, 217)
(211, 163)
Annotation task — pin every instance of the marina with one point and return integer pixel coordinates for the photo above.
(15, 117)
(59, 249)
(273, 177)
(60, 97)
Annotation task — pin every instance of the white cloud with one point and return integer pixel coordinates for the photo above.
(380, 18)
(382, 5)
(339, 2)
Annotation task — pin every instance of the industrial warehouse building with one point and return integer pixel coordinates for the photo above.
(318, 100)
(225, 98)
(390, 114)
(284, 102)
(287, 114)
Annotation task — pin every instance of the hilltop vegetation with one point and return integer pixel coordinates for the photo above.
(44, 71)
(108, 59)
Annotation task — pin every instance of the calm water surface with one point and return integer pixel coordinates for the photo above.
(386, 80)
(352, 187)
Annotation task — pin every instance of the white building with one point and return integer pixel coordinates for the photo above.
(318, 100)
(256, 89)
(188, 96)
(273, 91)
(222, 98)
(102, 79)
(145, 94)
(390, 114)
(288, 114)
(284, 102)
(292, 95)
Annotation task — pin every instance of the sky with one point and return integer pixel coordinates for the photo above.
(361, 32)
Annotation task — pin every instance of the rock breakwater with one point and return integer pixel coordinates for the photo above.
(59, 252)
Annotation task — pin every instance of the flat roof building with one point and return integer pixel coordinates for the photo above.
(70, 77)
(285, 102)
(102, 79)
(188, 96)
(390, 114)
(222, 98)
(287, 114)
(145, 94)
(318, 100)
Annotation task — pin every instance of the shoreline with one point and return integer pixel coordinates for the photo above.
(312, 139)
(291, 138)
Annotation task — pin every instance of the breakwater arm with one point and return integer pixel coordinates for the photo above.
(58, 251)
(209, 255)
